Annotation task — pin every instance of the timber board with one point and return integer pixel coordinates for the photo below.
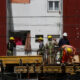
(16, 59)
(51, 69)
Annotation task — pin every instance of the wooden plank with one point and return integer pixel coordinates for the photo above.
(69, 69)
(20, 69)
(31, 69)
(38, 69)
(45, 69)
(16, 59)
(52, 69)
(77, 68)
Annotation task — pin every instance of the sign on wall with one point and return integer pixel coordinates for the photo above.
(20, 1)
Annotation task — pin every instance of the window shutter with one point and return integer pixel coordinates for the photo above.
(20, 1)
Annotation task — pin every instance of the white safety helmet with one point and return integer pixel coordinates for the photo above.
(65, 34)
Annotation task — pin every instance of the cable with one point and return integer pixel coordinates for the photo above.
(51, 25)
(78, 16)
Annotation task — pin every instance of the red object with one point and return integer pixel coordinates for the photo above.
(20, 1)
(71, 21)
(18, 41)
(66, 56)
(2, 27)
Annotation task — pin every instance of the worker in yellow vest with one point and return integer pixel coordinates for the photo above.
(50, 49)
(10, 46)
(41, 46)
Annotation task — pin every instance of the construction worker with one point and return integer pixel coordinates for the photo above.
(41, 46)
(50, 49)
(64, 40)
(67, 53)
(11, 44)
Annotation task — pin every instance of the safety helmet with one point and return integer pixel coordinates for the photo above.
(49, 37)
(69, 50)
(11, 38)
(65, 34)
(40, 38)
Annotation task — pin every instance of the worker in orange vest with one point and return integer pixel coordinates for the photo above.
(67, 53)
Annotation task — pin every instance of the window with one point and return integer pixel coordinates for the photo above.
(22, 38)
(56, 5)
(37, 36)
(50, 5)
(53, 5)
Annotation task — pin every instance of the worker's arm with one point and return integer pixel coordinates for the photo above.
(55, 42)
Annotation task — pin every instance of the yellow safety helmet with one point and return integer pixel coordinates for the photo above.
(40, 38)
(69, 50)
(49, 37)
(11, 38)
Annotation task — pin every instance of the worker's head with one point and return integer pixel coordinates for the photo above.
(40, 39)
(65, 35)
(11, 39)
(50, 38)
(69, 50)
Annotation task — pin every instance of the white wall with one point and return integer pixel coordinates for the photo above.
(36, 18)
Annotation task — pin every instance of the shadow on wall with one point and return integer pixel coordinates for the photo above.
(9, 18)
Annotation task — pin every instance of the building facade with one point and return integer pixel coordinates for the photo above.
(31, 19)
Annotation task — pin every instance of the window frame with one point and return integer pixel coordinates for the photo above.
(19, 34)
(53, 6)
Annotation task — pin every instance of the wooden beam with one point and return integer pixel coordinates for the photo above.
(16, 59)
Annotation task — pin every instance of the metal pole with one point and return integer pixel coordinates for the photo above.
(61, 17)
